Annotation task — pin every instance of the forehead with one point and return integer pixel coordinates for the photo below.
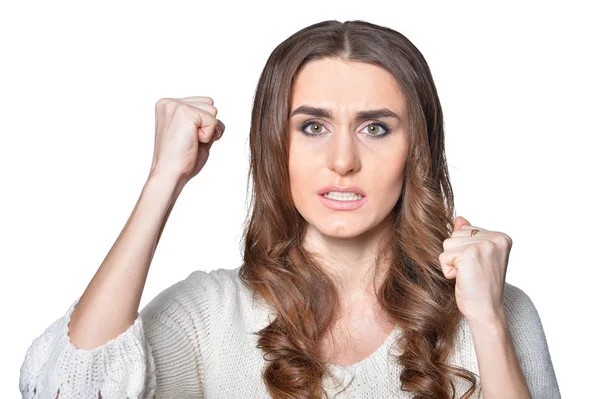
(337, 84)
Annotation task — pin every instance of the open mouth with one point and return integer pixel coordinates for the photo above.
(346, 202)
(340, 196)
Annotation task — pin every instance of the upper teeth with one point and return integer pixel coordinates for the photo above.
(342, 195)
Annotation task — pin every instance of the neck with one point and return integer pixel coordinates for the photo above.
(357, 264)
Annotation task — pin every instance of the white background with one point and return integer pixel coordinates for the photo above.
(518, 85)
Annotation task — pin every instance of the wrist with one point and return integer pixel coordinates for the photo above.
(167, 182)
(493, 320)
(166, 177)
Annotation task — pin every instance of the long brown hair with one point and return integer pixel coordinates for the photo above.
(415, 295)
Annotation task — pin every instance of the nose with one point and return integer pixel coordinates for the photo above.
(343, 152)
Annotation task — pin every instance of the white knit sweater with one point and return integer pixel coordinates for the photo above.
(195, 340)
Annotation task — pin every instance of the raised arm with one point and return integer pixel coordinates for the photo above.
(110, 303)
(104, 325)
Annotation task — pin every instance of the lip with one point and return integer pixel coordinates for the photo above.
(342, 205)
(352, 189)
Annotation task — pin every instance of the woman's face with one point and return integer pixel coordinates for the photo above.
(344, 149)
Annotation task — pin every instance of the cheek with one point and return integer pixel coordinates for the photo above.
(300, 176)
(390, 187)
(302, 164)
(390, 179)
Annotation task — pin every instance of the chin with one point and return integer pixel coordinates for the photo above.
(341, 230)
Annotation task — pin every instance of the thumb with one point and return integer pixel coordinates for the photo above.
(210, 133)
(460, 222)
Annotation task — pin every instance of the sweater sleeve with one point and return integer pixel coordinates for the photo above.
(530, 344)
(154, 357)
(55, 368)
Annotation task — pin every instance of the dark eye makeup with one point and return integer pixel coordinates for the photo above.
(382, 125)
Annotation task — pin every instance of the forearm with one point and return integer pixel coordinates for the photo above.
(109, 305)
(499, 369)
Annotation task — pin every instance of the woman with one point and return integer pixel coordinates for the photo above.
(357, 281)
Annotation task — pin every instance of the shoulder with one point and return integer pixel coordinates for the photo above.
(524, 323)
(531, 346)
(200, 291)
(523, 319)
(194, 309)
(179, 327)
(518, 305)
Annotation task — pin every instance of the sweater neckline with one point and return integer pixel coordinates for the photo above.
(365, 372)
(376, 360)
(379, 356)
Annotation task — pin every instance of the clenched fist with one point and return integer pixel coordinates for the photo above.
(185, 130)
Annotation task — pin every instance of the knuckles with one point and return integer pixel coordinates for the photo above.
(446, 244)
(174, 105)
(492, 240)
(167, 105)
(500, 239)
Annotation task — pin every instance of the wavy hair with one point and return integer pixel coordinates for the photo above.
(414, 294)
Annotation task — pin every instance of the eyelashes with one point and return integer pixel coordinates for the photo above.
(381, 125)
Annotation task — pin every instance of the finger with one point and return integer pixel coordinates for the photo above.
(460, 221)
(208, 132)
(204, 99)
(211, 109)
(447, 259)
(457, 242)
(205, 122)
(465, 220)
(466, 231)
(220, 130)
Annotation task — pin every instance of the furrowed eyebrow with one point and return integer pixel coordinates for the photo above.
(361, 115)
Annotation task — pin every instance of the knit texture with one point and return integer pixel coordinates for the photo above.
(196, 339)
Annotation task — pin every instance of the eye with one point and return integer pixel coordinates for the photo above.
(371, 128)
(312, 124)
